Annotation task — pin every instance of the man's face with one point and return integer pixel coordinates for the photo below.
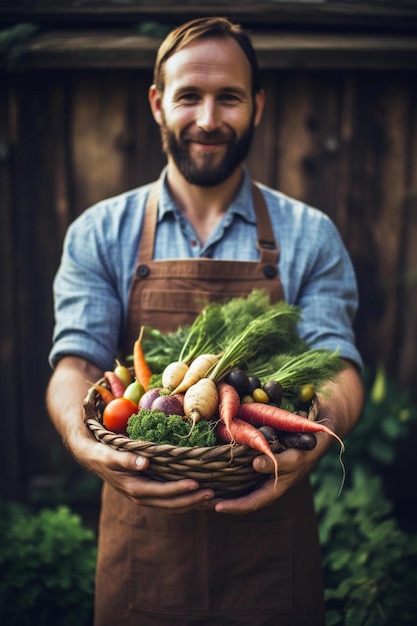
(206, 112)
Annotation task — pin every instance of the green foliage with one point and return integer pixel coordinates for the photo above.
(370, 562)
(47, 560)
(153, 425)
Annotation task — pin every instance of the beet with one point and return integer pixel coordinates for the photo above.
(269, 433)
(239, 380)
(274, 390)
(170, 405)
(254, 383)
(148, 397)
(302, 441)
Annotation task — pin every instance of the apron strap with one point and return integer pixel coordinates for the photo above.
(267, 246)
(150, 220)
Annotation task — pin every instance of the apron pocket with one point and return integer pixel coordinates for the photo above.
(214, 565)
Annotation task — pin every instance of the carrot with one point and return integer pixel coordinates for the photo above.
(141, 368)
(229, 402)
(260, 414)
(246, 434)
(201, 401)
(173, 374)
(105, 394)
(116, 385)
(197, 370)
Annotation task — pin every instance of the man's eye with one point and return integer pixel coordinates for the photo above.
(229, 97)
(189, 97)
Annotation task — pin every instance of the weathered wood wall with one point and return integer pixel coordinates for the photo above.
(339, 132)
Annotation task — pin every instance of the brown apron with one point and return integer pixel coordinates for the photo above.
(205, 568)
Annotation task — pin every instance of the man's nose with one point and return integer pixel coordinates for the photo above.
(207, 118)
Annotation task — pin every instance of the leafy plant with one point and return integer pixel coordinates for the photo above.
(370, 563)
(47, 560)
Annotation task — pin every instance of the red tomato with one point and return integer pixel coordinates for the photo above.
(117, 412)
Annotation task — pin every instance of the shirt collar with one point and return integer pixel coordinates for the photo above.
(242, 205)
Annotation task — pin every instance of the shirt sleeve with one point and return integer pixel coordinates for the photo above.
(327, 291)
(88, 305)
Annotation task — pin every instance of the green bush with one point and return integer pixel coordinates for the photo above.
(47, 560)
(370, 562)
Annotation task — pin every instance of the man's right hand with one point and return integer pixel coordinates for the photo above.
(122, 470)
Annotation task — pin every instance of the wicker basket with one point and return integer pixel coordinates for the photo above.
(224, 468)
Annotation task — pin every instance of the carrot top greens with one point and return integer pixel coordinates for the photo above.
(250, 333)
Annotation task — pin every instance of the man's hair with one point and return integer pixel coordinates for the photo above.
(205, 28)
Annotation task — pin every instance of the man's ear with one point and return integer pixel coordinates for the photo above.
(155, 101)
(259, 106)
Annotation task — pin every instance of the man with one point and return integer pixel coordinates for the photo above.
(146, 257)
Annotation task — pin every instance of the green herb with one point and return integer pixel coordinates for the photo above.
(276, 326)
(220, 326)
(204, 334)
(316, 366)
(161, 349)
(154, 426)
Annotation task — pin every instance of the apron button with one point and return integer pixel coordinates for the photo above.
(270, 271)
(142, 271)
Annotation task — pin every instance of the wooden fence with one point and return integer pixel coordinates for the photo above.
(339, 132)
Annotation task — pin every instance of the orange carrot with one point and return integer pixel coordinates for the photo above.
(260, 414)
(105, 394)
(116, 385)
(244, 433)
(229, 402)
(142, 370)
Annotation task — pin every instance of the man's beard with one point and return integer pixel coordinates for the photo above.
(207, 174)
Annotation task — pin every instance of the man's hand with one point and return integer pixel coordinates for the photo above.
(293, 466)
(339, 410)
(122, 470)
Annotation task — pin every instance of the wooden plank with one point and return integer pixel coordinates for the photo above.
(308, 138)
(11, 479)
(407, 335)
(42, 213)
(371, 188)
(294, 141)
(345, 13)
(126, 49)
(116, 143)
(392, 110)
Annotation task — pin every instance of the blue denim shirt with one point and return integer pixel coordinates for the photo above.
(91, 287)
